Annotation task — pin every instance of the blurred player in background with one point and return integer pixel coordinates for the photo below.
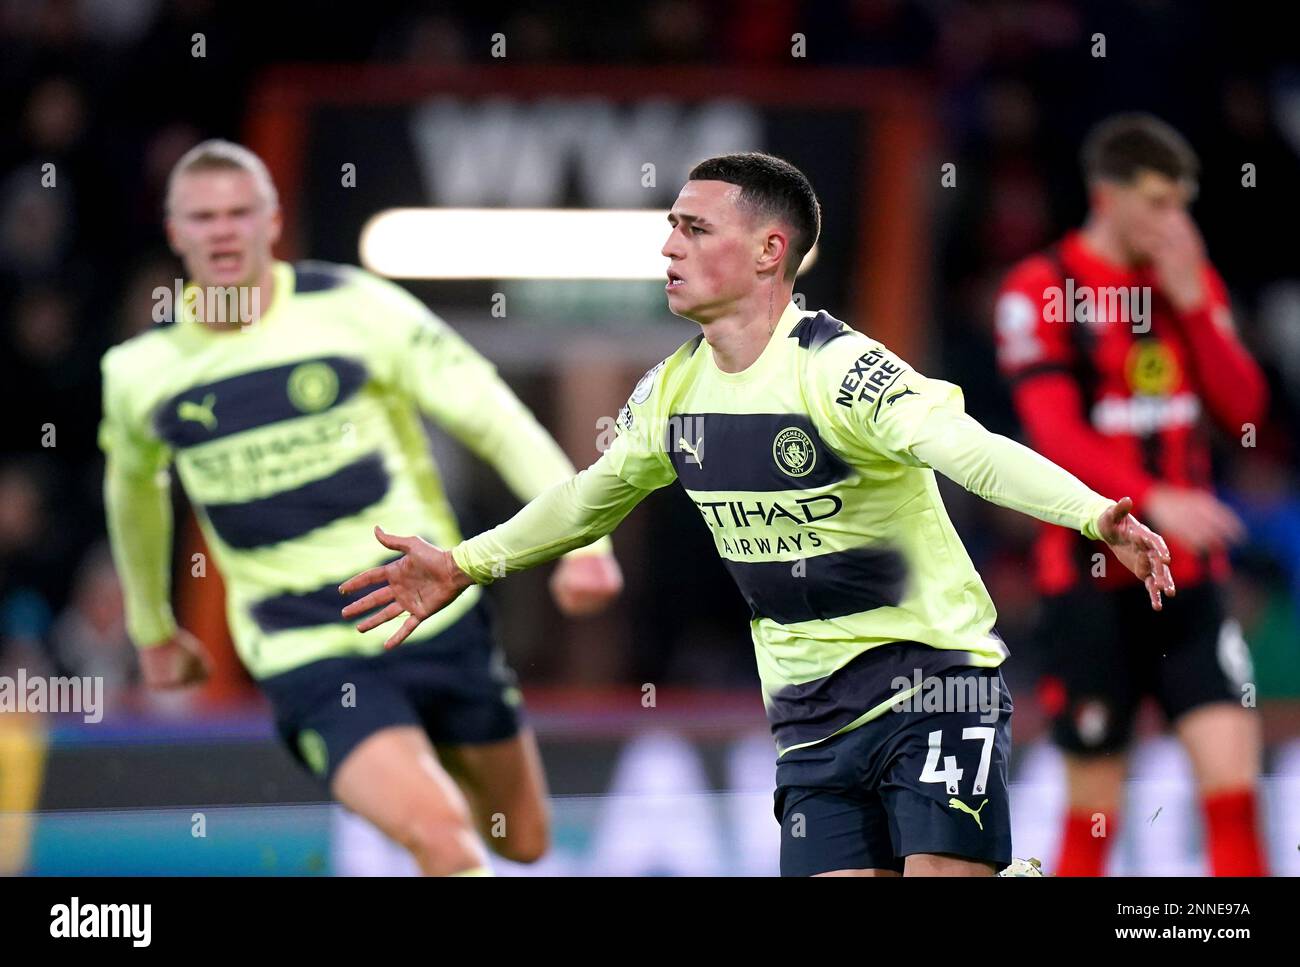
(807, 448)
(1115, 394)
(289, 398)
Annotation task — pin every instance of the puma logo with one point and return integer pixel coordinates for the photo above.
(694, 451)
(905, 392)
(974, 813)
(199, 412)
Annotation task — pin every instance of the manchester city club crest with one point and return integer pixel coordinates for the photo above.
(794, 452)
(313, 386)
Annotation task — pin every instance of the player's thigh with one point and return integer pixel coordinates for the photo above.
(944, 777)
(469, 705)
(506, 787)
(934, 864)
(325, 710)
(352, 723)
(873, 872)
(393, 778)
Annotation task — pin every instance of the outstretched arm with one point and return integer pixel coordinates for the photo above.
(879, 406)
(1006, 473)
(426, 579)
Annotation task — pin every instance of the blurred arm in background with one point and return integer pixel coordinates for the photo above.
(462, 392)
(137, 506)
(426, 579)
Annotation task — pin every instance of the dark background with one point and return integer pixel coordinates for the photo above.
(111, 95)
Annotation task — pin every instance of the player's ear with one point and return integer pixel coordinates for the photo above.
(170, 228)
(775, 246)
(275, 227)
(1101, 196)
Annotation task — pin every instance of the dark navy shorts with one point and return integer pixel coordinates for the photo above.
(931, 778)
(1104, 651)
(456, 687)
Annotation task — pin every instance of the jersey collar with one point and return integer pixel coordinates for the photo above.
(790, 316)
(283, 281)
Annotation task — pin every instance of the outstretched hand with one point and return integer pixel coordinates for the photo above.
(423, 581)
(1139, 548)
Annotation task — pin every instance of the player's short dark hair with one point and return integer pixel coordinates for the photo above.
(216, 154)
(1121, 147)
(771, 186)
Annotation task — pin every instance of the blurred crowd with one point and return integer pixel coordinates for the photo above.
(100, 97)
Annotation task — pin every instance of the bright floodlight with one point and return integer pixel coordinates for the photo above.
(514, 243)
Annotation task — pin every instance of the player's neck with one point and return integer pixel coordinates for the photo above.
(245, 306)
(1101, 240)
(739, 337)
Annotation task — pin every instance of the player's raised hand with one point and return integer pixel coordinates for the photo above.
(179, 661)
(1178, 258)
(423, 581)
(1139, 549)
(585, 584)
(1193, 517)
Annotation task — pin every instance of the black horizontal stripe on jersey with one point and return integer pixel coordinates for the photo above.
(813, 332)
(810, 711)
(306, 609)
(293, 513)
(246, 401)
(311, 276)
(823, 586)
(735, 451)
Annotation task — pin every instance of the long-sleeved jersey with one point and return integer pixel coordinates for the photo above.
(812, 470)
(293, 436)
